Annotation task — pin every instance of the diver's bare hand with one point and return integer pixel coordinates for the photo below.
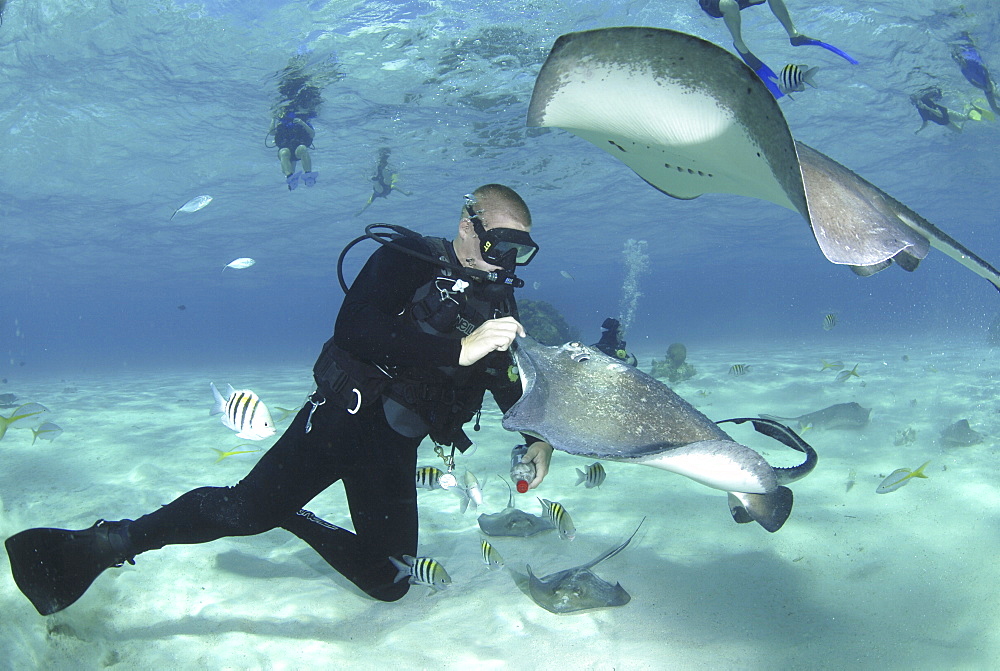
(540, 454)
(494, 335)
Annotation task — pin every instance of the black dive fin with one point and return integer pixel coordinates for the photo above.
(54, 567)
(768, 510)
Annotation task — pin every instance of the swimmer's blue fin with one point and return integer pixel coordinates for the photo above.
(802, 40)
(765, 73)
(309, 178)
(293, 180)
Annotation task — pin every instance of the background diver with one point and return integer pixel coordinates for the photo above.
(729, 11)
(612, 343)
(381, 187)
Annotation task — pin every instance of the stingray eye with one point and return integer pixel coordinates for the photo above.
(581, 357)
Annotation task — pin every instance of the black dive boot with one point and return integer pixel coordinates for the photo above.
(54, 567)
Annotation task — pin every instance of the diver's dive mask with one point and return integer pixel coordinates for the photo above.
(504, 247)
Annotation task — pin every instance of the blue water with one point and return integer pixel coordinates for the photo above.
(114, 113)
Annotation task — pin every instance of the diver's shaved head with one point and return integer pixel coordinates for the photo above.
(499, 205)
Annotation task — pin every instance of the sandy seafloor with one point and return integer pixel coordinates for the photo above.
(853, 579)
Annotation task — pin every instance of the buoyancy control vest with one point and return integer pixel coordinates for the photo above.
(420, 401)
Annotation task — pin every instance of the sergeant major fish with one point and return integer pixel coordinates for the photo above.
(421, 571)
(556, 513)
(592, 477)
(491, 557)
(429, 477)
(243, 412)
(793, 78)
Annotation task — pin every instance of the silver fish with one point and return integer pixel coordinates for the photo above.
(592, 477)
(193, 205)
(845, 375)
(556, 513)
(20, 412)
(900, 477)
(47, 431)
(243, 412)
(239, 264)
(491, 557)
(421, 571)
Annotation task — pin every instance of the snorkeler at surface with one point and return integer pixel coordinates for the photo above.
(927, 102)
(729, 11)
(381, 187)
(971, 63)
(293, 133)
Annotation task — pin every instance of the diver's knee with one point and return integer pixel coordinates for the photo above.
(301, 151)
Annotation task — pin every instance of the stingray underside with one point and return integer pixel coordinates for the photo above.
(691, 118)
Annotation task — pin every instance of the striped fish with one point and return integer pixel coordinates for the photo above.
(592, 477)
(829, 321)
(429, 477)
(738, 369)
(492, 558)
(421, 571)
(793, 78)
(560, 519)
(244, 413)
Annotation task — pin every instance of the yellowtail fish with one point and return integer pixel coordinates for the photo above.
(243, 412)
(829, 321)
(20, 412)
(285, 412)
(223, 455)
(421, 571)
(239, 264)
(193, 205)
(738, 369)
(592, 477)
(47, 431)
(560, 519)
(844, 375)
(835, 365)
(900, 477)
(491, 557)
(793, 78)
(429, 477)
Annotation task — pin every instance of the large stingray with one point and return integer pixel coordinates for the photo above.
(690, 118)
(575, 588)
(584, 402)
(513, 522)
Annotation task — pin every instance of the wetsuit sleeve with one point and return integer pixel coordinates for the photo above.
(373, 323)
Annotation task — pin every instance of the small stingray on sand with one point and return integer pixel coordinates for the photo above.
(960, 434)
(575, 588)
(513, 522)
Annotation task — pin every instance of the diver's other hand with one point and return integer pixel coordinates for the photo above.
(540, 454)
(494, 335)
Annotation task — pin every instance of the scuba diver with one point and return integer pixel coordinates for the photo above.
(611, 342)
(380, 187)
(927, 102)
(967, 57)
(729, 11)
(291, 124)
(423, 332)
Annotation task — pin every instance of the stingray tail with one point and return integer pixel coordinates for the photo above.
(768, 510)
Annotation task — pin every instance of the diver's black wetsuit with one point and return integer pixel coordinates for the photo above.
(711, 7)
(376, 464)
